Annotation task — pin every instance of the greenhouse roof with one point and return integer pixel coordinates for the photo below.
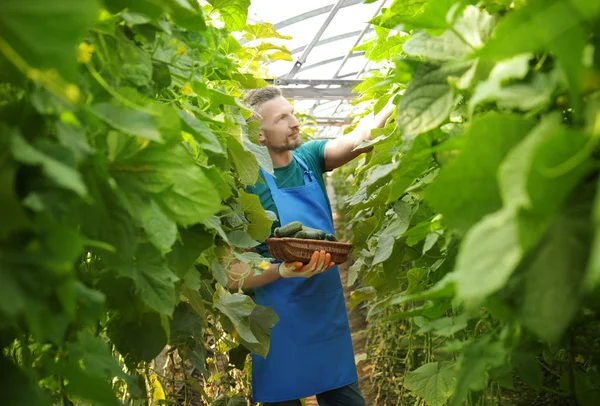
(324, 69)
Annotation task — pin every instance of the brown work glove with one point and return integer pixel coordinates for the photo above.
(319, 262)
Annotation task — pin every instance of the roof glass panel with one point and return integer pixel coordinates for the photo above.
(330, 58)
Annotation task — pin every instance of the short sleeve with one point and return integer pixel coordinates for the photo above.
(314, 152)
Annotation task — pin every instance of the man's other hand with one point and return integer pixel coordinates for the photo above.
(319, 262)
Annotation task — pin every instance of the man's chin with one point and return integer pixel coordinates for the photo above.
(290, 147)
(296, 145)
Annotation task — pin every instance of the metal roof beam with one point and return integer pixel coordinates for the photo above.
(312, 93)
(333, 121)
(331, 39)
(360, 37)
(300, 61)
(313, 13)
(314, 82)
(327, 61)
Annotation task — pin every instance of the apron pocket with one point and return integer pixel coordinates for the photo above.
(317, 318)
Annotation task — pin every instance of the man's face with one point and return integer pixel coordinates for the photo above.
(280, 129)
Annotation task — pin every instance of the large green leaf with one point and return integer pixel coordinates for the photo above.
(470, 32)
(191, 243)
(553, 276)
(525, 30)
(182, 189)
(193, 198)
(186, 14)
(262, 321)
(385, 246)
(15, 217)
(46, 34)
(524, 96)
(225, 400)
(361, 295)
(237, 308)
(153, 279)
(146, 7)
(445, 326)
(413, 163)
(186, 324)
(592, 276)
(241, 239)
(160, 229)
(261, 154)
(233, 12)
(260, 225)
(400, 11)
(387, 48)
(17, 388)
(12, 297)
(128, 120)
(140, 340)
(540, 173)
(477, 359)
(62, 174)
(94, 353)
(244, 162)
(528, 369)
(434, 382)
(446, 47)
(262, 30)
(534, 184)
(202, 134)
(428, 98)
(466, 189)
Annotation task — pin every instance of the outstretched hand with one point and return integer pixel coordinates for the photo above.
(319, 262)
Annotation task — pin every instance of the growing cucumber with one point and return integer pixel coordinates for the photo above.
(288, 230)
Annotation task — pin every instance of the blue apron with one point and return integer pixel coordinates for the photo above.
(311, 347)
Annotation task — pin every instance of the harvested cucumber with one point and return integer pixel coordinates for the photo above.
(300, 234)
(313, 233)
(295, 229)
(288, 230)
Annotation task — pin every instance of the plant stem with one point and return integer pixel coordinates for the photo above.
(116, 94)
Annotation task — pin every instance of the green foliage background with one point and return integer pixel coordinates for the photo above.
(474, 220)
(124, 160)
(124, 157)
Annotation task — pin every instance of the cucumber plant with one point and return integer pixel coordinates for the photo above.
(474, 219)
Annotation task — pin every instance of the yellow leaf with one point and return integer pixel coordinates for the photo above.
(158, 393)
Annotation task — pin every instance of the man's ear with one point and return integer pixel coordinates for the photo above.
(261, 138)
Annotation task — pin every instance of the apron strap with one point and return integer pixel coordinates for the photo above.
(270, 180)
(308, 175)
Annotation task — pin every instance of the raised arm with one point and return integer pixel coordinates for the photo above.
(342, 149)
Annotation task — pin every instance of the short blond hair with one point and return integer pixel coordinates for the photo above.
(257, 97)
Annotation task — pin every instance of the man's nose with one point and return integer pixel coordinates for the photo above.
(294, 122)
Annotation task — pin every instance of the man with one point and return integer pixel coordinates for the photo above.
(311, 348)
